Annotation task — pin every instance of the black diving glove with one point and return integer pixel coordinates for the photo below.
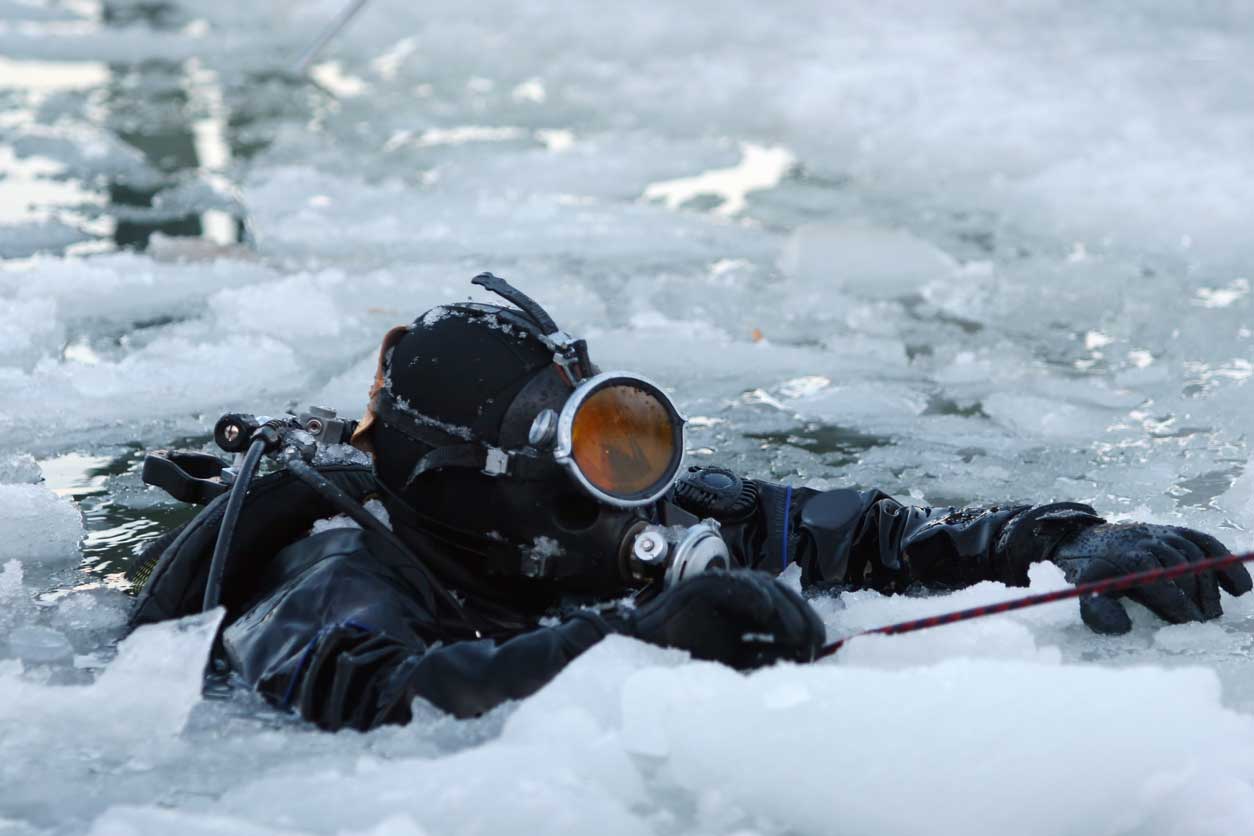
(1109, 550)
(741, 618)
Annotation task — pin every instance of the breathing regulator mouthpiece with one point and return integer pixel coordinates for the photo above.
(676, 553)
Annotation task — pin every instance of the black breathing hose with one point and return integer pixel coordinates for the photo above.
(267, 437)
(230, 520)
(354, 509)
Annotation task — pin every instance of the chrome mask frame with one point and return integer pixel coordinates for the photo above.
(563, 450)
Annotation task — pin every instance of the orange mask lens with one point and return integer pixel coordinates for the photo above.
(623, 440)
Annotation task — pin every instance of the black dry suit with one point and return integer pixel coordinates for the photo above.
(343, 628)
(472, 603)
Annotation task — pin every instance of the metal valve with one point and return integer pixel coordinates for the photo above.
(676, 553)
(322, 423)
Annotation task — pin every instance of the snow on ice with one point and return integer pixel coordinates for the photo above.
(959, 252)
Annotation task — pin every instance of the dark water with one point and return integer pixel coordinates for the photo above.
(836, 446)
(194, 130)
(120, 514)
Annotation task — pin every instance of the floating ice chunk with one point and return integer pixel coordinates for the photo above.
(1010, 636)
(468, 133)
(292, 308)
(147, 692)
(863, 259)
(19, 469)
(981, 724)
(531, 90)
(537, 221)
(38, 525)
(15, 601)
(84, 611)
(800, 387)
(1094, 340)
(987, 638)
(791, 577)
(556, 140)
(861, 402)
(126, 820)
(1142, 372)
(23, 239)
(156, 679)
(35, 644)
(331, 75)
(652, 321)
(126, 287)
(760, 167)
(388, 64)
(348, 392)
(1210, 297)
(966, 367)
(15, 10)
(867, 609)
(788, 695)
(168, 377)
(10, 582)
(391, 826)
(1036, 416)
(181, 250)
(556, 785)
(1239, 498)
(1201, 638)
(591, 688)
(89, 661)
(29, 329)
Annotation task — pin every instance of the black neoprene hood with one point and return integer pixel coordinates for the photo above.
(460, 367)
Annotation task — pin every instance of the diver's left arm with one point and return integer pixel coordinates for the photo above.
(856, 538)
(852, 538)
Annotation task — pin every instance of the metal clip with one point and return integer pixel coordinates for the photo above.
(322, 423)
(496, 463)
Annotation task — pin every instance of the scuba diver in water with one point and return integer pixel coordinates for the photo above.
(528, 505)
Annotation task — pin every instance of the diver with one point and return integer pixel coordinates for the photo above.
(528, 504)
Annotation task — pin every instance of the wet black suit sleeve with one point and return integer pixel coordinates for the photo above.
(853, 539)
(341, 639)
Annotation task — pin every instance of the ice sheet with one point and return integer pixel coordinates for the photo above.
(39, 526)
(959, 252)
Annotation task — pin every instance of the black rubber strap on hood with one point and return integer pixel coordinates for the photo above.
(519, 464)
(529, 306)
(414, 425)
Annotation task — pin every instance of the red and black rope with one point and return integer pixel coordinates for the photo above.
(1117, 584)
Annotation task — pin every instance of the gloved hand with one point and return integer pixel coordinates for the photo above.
(741, 618)
(1108, 550)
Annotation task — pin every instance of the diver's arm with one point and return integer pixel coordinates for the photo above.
(343, 644)
(471, 677)
(866, 538)
(849, 538)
